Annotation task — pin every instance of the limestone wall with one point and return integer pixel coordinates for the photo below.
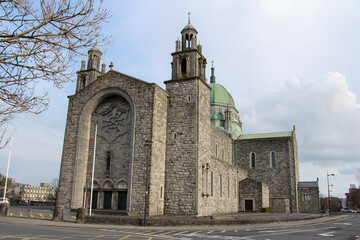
(281, 179)
(218, 191)
(78, 139)
(182, 149)
(280, 205)
(158, 153)
(309, 200)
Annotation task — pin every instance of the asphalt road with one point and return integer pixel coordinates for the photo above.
(22, 228)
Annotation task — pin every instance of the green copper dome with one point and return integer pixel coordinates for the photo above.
(220, 96)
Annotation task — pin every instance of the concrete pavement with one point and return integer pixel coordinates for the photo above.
(279, 220)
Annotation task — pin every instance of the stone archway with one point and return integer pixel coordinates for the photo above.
(84, 138)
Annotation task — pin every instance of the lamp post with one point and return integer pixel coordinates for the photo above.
(327, 174)
(148, 144)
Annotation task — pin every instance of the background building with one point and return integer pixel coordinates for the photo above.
(353, 198)
(44, 192)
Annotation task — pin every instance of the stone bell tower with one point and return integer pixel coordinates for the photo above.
(187, 125)
(188, 60)
(92, 71)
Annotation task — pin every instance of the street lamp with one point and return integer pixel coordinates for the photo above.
(331, 174)
(148, 144)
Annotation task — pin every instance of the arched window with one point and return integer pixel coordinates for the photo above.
(188, 39)
(252, 160)
(273, 159)
(108, 161)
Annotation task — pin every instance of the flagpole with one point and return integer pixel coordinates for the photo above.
(92, 174)
(8, 165)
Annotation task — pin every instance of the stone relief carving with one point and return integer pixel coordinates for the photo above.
(122, 185)
(113, 121)
(108, 185)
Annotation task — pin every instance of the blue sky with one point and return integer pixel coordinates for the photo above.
(284, 62)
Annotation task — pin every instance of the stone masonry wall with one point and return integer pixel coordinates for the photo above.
(280, 205)
(119, 151)
(158, 153)
(75, 158)
(307, 205)
(219, 183)
(281, 179)
(67, 159)
(181, 152)
(250, 189)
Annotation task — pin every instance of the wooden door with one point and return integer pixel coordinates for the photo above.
(249, 205)
(94, 200)
(107, 199)
(122, 196)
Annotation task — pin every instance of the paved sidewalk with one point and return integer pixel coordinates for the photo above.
(277, 223)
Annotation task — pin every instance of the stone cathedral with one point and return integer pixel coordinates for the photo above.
(178, 150)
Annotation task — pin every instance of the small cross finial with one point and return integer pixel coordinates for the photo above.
(96, 36)
(189, 16)
(111, 65)
(212, 62)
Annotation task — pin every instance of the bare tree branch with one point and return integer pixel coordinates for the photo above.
(38, 42)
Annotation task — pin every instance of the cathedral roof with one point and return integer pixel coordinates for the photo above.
(308, 184)
(265, 135)
(220, 96)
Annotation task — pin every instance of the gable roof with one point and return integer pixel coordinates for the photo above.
(308, 184)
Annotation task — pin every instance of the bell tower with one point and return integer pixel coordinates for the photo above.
(92, 71)
(188, 60)
(188, 122)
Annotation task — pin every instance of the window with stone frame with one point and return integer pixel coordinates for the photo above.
(221, 185)
(252, 160)
(228, 183)
(235, 183)
(212, 183)
(203, 186)
(273, 159)
(306, 197)
(108, 162)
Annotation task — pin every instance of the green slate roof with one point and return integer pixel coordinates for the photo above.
(220, 96)
(265, 135)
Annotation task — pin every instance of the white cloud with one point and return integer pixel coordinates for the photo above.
(326, 114)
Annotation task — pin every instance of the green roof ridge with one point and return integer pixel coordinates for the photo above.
(265, 135)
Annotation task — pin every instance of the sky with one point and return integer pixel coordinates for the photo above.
(285, 62)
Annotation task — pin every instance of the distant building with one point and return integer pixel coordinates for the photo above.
(44, 192)
(353, 197)
(309, 197)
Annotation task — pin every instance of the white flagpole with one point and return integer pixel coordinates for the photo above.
(8, 165)
(92, 174)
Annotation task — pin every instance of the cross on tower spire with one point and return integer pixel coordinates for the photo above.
(189, 16)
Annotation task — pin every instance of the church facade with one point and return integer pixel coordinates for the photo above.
(178, 150)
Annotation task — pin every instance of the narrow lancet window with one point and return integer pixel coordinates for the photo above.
(273, 159)
(252, 160)
(108, 161)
